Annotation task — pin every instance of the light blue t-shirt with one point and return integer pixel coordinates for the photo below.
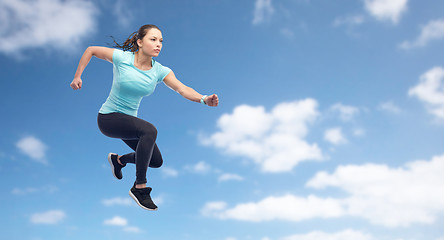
(131, 84)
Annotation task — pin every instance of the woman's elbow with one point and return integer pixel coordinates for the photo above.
(94, 50)
(89, 51)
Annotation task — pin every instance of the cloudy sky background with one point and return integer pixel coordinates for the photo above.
(330, 124)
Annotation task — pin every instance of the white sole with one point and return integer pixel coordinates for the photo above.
(112, 166)
(138, 203)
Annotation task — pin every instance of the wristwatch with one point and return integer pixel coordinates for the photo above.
(202, 100)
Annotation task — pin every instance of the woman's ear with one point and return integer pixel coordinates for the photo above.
(139, 42)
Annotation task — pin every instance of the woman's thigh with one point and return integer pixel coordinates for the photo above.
(125, 127)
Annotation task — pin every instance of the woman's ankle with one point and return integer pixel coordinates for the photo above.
(118, 160)
(141, 185)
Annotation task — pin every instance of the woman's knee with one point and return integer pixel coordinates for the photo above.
(156, 164)
(149, 130)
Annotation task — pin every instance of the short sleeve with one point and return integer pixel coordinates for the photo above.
(162, 73)
(118, 56)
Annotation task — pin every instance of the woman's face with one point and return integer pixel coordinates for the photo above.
(151, 43)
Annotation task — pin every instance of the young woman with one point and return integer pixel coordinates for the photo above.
(135, 75)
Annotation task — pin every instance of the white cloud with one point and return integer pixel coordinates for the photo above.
(353, 20)
(116, 221)
(287, 207)
(346, 113)
(274, 140)
(384, 10)
(390, 107)
(132, 229)
(359, 132)
(122, 201)
(213, 207)
(169, 172)
(122, 13)
(158, 200)
(430, 90)
(387, 196)
(34, 148)
(200, 167)
(391, 197)
(29, 190)
(434, 30)
(335, 136)
(288, 33)
(263, 11)
(49, 217)
(121, 222)
(44, 23)
(348, 234)
(229, 176)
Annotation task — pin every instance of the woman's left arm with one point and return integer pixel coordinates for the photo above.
(172, 82)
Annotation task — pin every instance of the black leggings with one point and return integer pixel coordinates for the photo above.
(139, 135)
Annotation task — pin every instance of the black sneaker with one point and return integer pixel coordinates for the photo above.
(116, 168)
(143, 198)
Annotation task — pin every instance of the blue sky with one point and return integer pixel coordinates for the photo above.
(330, 124)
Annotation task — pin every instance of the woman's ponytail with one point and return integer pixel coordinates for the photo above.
(130, 44)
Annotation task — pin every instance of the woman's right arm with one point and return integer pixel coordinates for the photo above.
(103, 53)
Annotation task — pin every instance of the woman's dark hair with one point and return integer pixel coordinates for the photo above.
(130, 44)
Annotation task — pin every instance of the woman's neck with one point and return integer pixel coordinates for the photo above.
(142, 61)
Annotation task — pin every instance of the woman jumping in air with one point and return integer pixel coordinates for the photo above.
(135, 75)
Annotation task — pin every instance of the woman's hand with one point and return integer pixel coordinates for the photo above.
(212, 100)
(172, 82)
(76, 83)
